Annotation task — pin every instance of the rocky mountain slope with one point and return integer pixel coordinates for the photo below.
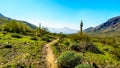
(112, 25)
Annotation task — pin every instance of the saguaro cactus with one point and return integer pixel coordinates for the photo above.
(81, 25)
(40, 28)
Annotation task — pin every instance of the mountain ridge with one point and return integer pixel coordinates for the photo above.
(65, 30)
(111, 25)
(1, 15)
(2, 18)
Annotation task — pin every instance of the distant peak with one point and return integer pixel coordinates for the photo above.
(66, 28)
(114, 18)
(1, 14)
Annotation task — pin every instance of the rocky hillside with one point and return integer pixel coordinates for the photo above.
(112, 25)
(3, 19)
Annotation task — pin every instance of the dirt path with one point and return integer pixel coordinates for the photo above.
(48, 56)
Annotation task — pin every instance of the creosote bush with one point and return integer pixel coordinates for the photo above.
(47, 38)
(76, 47)
(84, 66)
(116, 51)
(34, 38)
(69, 59)
(85, 46)
(16, 35)
(18, 65)
(8, 46)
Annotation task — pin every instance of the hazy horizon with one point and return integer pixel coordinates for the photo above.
(61, 13)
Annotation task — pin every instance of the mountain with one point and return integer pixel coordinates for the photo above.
(112, 25)
(1, 15)
(64, 30)
(3, 19)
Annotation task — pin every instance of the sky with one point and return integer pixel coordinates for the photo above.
(61, 13)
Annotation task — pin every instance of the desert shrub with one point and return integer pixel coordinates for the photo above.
(19, 65)
(34, 38)
(10, 66)
(92, 48)
(93, 39)
(69, 59)
(47, 38)
(85, 46)
(84, 66)
(116, 45)
(75, 47)
(116, 51)
(106, 49)
(4, 32)
(8, 46)
(77, 37)
(16, 35)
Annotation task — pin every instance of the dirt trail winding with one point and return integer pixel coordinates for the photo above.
(48, 55)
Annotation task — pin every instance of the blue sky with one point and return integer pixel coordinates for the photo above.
(61, 13)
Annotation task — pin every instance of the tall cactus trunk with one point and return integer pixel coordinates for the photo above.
(81, 25)
(40, 28)
(81, 31)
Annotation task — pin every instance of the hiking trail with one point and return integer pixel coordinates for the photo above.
(48, 57)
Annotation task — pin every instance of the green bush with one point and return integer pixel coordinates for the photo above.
(92, 48)
(8, 46)
(16, 35)
(116, 51)
(76, 47)
(17, 65)
(84, 66)
(47, 38)
(85, 46)
(69, 59)
(34, 38)
(4, 32)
